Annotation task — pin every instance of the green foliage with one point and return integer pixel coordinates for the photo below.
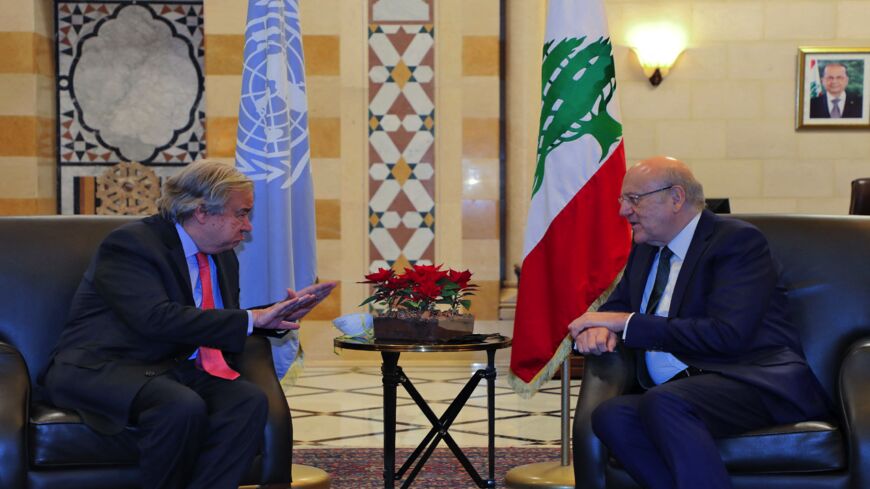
(577, 86)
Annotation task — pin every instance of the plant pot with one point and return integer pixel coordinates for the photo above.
(428, 330)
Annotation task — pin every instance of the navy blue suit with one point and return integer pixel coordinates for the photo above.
(726, 317)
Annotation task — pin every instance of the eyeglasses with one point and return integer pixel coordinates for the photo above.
(634, 199)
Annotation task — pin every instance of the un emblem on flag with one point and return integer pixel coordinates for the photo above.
(272, 139)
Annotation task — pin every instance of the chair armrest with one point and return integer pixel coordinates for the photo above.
(855, 401)
(14, 401)
(256, 365)
(604, 377)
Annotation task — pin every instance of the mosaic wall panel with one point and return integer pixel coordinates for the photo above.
(130, 88)
(401, 133)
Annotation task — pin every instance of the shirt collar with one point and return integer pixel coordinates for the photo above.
(187, 242)
(680, 244)
(841, 99)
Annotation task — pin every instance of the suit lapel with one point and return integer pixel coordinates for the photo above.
(700, 240)
(169, 236)
(852, 108)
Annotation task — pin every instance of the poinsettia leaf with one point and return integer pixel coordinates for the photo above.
(466, 304)
(370, 299)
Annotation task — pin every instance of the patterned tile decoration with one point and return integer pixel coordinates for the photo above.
(401, 133)
(130, 87)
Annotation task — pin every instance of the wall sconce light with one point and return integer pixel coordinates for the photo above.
(657, 47)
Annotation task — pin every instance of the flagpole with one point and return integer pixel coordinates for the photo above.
(566, 410)
(556, 474)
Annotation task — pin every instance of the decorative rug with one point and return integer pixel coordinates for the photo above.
(356, 468)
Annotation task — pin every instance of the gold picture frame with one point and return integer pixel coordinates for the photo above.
(835, 96)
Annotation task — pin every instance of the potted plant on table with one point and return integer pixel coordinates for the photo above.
(423, 303)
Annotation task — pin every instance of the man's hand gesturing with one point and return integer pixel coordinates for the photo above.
(319, 291)
(282, 315)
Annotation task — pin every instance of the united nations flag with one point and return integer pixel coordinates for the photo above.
(272, 149)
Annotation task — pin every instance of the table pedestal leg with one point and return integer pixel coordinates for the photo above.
(391, 378)
(440, 431)
(489, 374)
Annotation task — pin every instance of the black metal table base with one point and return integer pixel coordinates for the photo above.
(394, 376)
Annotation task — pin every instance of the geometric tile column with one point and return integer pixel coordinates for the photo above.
(401, 122)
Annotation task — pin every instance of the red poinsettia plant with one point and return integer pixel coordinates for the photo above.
(422, 289)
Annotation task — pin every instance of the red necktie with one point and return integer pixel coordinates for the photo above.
(210, 359)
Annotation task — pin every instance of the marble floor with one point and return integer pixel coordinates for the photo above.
(341, 407)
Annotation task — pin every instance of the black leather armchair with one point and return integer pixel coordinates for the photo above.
(41, 446)
(826, 266)
(859, 203)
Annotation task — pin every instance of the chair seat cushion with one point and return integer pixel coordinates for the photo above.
(809, 446)
(58, 437)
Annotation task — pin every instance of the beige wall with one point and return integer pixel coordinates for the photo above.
(727, 108)
(27, 165)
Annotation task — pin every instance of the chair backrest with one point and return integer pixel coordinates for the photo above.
(43, 259)
(718, 205)
(826, 267)
(860, 204)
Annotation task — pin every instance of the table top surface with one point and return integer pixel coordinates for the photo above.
(373, 344)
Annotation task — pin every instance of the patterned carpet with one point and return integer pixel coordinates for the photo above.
(358, 468)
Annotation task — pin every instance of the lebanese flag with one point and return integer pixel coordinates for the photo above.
(815, 81)
(576, 243)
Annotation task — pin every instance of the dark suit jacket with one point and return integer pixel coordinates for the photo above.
(819, 107)
(133, 317)
(727, 315)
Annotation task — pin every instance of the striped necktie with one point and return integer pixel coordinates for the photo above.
(663, 271)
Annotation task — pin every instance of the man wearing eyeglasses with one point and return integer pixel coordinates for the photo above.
(702, 306)
(835, 102)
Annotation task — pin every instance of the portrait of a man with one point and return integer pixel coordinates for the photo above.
(836, 100)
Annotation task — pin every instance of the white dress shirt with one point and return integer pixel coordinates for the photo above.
(660, 364)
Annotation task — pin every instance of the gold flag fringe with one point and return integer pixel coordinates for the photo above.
(295, 370)
(527, 390)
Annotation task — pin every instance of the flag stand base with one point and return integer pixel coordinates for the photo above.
(552, 475)
(307, 477)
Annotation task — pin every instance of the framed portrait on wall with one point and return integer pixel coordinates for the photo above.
(832, 89)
